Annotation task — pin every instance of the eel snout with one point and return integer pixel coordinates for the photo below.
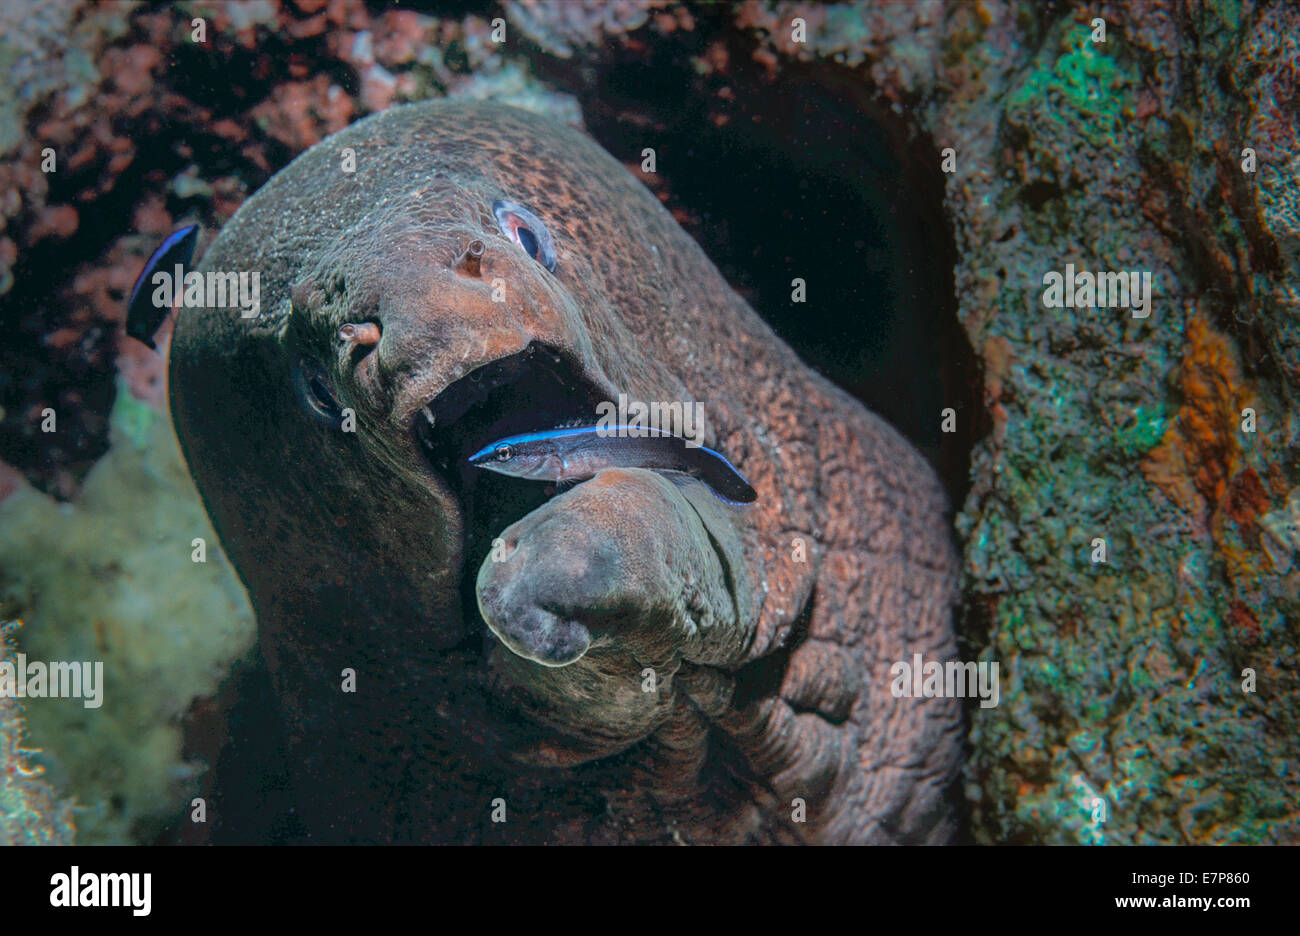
(611, 587)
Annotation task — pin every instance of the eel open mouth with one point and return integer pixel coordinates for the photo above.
(537, 388)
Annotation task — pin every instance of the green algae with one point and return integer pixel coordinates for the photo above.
(165, 627)
(1144, 431)
(1085, 85)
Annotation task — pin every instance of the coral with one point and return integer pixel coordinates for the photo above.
(562, 28)
(1202, 447)
(301, 113)
(47, 55)
(30, 812)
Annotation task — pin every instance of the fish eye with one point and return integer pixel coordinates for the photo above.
(315, 388)
(503, 453)
(527, 230)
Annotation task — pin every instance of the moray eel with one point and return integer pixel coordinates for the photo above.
(725, 672)
(578, 452)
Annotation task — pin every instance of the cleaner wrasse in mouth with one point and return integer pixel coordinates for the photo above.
(574, 454)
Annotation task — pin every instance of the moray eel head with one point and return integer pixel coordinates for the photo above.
(446, 298)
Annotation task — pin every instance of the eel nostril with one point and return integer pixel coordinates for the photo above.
(361, 338)
(365, 334)
(470, 258)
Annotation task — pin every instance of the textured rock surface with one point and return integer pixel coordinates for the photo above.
(1126, 678)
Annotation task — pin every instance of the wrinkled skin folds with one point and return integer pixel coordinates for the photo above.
(630, 660)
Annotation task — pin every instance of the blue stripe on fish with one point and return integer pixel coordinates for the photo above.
(570, 454)
(142, 316)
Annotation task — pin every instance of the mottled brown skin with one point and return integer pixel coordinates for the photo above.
(772, 674)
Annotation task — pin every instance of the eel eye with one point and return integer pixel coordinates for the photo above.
(503, 453)
(527, 230)
(316, 392)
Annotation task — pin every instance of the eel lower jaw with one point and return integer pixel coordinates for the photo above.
(540, 636)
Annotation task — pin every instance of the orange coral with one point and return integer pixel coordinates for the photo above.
(1202, 447)
(301, 113)
(997, 355)
(1247, 500)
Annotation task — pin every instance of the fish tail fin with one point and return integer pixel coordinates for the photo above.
(728, 484)
(143, 318)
